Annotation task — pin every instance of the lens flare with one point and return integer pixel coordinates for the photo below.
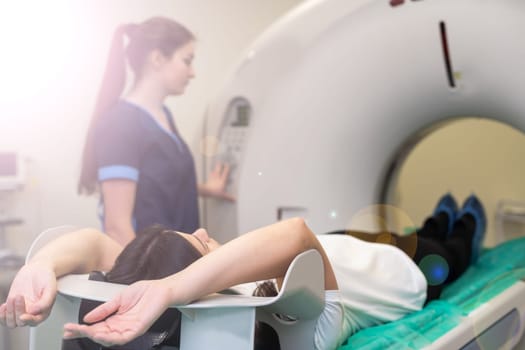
(383, 219)
(435, 269)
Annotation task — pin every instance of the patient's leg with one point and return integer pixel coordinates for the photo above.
(432, 244)
(434, 227)
(451, 255)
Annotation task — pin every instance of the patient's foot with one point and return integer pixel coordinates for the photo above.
(447, 205)
(473, 209)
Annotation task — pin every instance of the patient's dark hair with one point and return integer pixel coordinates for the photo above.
(155, 253)
(266, 338)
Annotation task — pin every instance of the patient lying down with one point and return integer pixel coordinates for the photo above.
(366, 283)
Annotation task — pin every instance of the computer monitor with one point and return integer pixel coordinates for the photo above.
(12, 172)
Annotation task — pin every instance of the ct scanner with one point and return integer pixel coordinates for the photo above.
(319, 113)
(316, 114)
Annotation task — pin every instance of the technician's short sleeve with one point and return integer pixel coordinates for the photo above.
(118, 142)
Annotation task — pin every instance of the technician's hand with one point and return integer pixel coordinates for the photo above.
(30, 298)
(129, 315)
(216, 184)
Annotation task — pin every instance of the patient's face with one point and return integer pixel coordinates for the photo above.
(201, 241)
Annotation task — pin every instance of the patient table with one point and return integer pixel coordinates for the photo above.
(483, 309)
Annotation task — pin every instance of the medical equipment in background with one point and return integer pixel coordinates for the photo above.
(510, 219)
(12, 171)
(318, 116)
(12, 180)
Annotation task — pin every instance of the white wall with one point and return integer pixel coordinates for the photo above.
(53, 55)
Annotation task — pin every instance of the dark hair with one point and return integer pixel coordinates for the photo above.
(157, 33)
(266, 338)
(155, 253)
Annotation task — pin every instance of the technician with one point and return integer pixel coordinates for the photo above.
(134, 155)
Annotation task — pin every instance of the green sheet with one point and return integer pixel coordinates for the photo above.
(496, 270)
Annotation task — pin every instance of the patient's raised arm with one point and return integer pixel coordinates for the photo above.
(33, 289)
(261, 254)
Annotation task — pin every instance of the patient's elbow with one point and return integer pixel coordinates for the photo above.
(302, 233)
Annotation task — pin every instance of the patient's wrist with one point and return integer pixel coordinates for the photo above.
(177, 293)
(43, 263)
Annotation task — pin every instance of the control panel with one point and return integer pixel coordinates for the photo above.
(232, 137)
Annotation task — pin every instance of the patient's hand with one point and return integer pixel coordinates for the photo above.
(129, 315)
(30, 298)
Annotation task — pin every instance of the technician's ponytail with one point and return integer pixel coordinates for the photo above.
(113, 82)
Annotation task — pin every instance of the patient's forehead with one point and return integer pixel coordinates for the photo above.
(199, 245)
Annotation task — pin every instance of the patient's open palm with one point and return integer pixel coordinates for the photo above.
(30, 298)
(124, 318)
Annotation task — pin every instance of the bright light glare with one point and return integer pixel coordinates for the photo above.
(37, 40)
